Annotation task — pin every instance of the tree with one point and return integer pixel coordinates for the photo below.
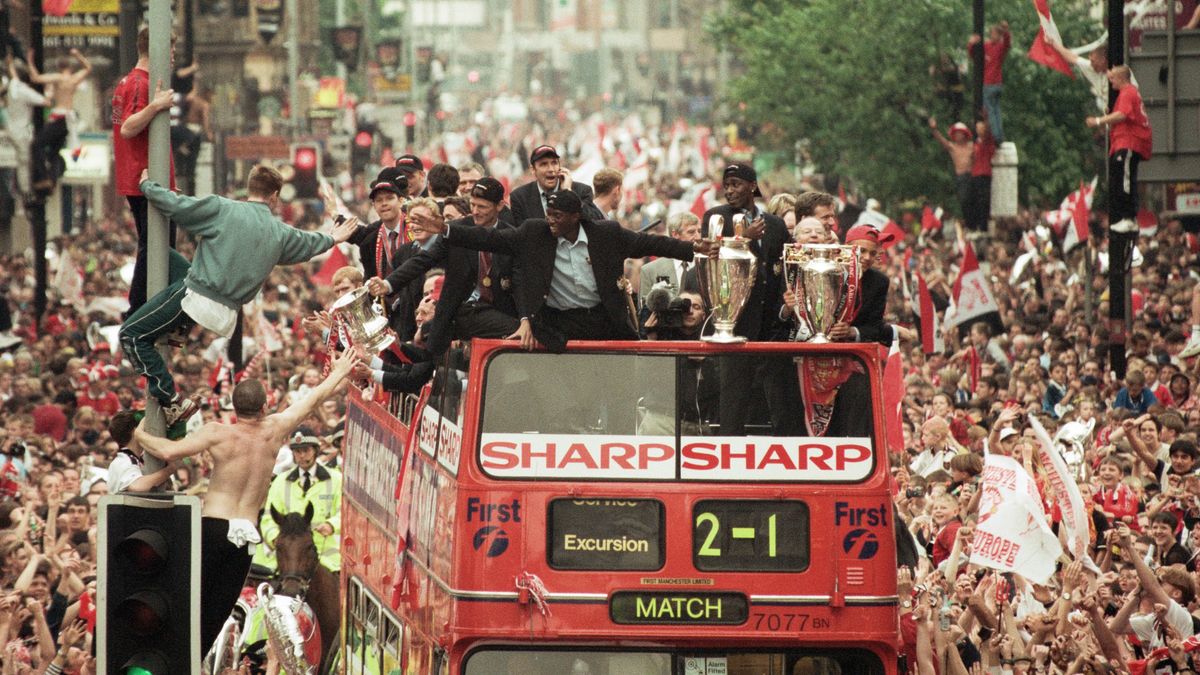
(853, 80)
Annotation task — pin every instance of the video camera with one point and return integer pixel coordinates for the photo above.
(663, 301)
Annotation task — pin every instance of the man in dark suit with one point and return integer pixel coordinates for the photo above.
(384, 246)
(868, 324)
(529, 200)
(476, 298)
(568, 270)
(759, 320)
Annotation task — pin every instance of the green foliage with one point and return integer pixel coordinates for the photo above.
(853, 79)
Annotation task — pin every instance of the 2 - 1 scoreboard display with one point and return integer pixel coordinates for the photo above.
(750, 536)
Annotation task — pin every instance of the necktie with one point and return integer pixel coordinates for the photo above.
(306, 482)
(392, 236)
(545, 203)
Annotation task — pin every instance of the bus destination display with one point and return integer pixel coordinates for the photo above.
(605, 534)
(750, 536)
(678, 607)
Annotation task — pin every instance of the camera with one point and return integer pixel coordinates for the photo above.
(17, 448)
(667, 306)
(914, 492)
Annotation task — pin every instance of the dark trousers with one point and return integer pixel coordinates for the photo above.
(981, 203)
(781, 389)
(962, 186)
(137, 289)
(222, 575)
(44, 150)
(553, 327)
(1122, 184)
(473, 319)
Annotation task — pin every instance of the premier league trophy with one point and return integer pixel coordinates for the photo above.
(725, 283)
(824, 279)
(363, 320)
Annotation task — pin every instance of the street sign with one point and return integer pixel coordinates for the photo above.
(86, 24)
(257, 147)
(1188, 203)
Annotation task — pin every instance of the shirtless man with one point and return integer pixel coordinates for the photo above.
(961, 151)
(60, 90)
(243, 456)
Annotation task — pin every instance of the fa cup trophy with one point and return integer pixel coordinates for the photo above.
(725, 282)
(363, 320)
(824, 279)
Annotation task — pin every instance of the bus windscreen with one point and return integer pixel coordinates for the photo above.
(670, 417)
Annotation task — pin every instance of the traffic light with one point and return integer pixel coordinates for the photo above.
(360, 149)
(306, 170)
(149, 585)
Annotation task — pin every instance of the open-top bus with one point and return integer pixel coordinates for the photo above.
(584, 513)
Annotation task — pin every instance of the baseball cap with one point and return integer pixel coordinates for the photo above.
(410, 163)
(304, 437)
(565, 201)
(394, 176)
(959, 128)
(869, 233)
(1007, 432)
(488, 188)
(541, 152)
(745, 172)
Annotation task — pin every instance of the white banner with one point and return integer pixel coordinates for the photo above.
(1012, 534)
(750, 458)
(1067, 496)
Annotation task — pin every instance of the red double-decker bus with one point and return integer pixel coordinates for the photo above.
(586, 513)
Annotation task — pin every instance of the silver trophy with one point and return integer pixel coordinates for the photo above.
(363, 320)
(821, 276)
(292, 630)
(725, 284)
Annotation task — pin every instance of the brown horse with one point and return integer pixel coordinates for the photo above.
(299, 574)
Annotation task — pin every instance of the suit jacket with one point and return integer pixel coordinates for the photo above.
(526, 202)
(533, 249)
(402, 303)
(869, 320)
(760, 315)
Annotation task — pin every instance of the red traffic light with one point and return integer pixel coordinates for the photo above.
(144, 613)
(145, 551)
(410, 119)
(364, 139)
(305, 159)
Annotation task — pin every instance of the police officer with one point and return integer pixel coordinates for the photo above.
(292, 492)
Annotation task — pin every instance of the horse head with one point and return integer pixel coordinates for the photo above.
(295, 552)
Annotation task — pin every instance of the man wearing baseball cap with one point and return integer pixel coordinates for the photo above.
(477, 295)
(309, 483)
(868, 324)
(384, 245)
(529, 200)
(414, 169)
(570, 267)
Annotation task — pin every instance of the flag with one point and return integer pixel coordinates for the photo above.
(1147, 223)
(893, 397)
(1012, 534)
(873, 218)
(972, 295)
(1066, 212)
(336, 261)
(931, 220)
(1041, 51)
(704, 200)
(1075, 515)
(55, 7)
(929, 329)
(896, 231)
(1081, 208)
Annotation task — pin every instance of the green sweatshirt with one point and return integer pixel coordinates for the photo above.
(237, 243)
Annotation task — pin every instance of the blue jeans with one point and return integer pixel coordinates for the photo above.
(991, 103)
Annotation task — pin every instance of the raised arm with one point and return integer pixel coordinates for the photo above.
(168, 450)
(82, 74)
(1068, 55)
(937, 133)
(1135, 442)
(296, 412)
(1146, 576)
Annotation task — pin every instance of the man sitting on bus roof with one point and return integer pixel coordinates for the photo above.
(570, 267)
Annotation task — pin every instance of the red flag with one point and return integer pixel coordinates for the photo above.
(893, 398)
(1147, 222)
(1079, 215)
(1041, 51)
(55, 7)
(928, 316)
(896, 231)
(930, 220)
(335, 261)
(972, 292)
(700, 203)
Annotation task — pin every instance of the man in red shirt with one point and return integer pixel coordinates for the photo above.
(981, 178)
(1129, 141)
(133, 109)
(994, 50)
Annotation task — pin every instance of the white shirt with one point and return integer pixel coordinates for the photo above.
(1143, 625)
(927, 462)
(21, 100)
(209, 313)
(122, 472)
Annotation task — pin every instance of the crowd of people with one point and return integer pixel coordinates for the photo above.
(511, 243)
